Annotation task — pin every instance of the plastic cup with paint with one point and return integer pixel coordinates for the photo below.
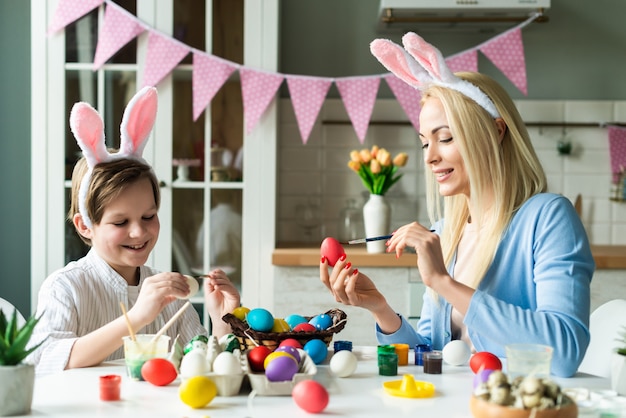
(143, 348)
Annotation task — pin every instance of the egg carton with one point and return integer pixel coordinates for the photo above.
(264, 387)
(227, 385)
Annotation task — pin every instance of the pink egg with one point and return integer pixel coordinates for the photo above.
(281, 369)
(311, 396)
(290, 350)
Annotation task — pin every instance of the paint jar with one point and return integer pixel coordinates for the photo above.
(402, 350)
(420, 349)
(342, 345)
(387, 360)
(110, 387)
(433, 361)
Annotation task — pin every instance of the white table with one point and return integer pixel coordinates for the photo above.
(75, 393)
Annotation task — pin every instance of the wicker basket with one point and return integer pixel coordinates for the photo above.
(249, 338)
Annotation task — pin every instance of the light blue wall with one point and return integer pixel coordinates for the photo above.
(15, 153)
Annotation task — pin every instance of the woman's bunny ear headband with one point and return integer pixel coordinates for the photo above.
(88, 129)
(420, 65)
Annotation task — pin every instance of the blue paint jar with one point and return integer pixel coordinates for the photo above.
(419, 350)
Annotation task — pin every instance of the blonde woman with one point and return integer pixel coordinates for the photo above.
(507, 262)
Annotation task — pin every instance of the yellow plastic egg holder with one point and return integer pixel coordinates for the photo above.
(408, 387)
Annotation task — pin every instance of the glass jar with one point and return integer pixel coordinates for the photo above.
(350, 222)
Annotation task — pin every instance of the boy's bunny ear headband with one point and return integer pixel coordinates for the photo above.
(88, 129)
(420, 65)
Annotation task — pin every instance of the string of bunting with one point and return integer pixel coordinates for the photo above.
(209, 73)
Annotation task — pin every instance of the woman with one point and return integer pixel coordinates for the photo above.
(507, 262)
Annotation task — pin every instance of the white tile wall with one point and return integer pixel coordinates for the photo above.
(316, 173)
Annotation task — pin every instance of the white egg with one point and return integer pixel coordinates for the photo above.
(226, 363)
(456, 353)
(194, 287)
(343, 363)
(193, 364)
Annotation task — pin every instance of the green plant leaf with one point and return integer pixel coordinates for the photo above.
(11, 328)
(15, 339)
(3, 324)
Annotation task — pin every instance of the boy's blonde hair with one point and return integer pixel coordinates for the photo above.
(108, 180)
(507, 171)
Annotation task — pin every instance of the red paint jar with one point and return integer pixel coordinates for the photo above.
(110, 387)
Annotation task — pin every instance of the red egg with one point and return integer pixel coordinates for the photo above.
(484, 360)
(310, 396)
(159, 371)
(291, 342)
(256, 358)
(332, 250)
(305, 327)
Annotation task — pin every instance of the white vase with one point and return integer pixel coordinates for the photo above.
(376, 218)
(618, 373)
(16, 389)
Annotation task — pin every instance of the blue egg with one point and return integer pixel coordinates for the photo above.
(260, 320)
(317, 350)
(294, 319)
(321, 321)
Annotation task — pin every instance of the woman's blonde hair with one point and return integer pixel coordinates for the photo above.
(108, 180)
(504, 172)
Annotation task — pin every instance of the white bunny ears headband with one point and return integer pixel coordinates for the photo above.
(88, 129)
(420, 64)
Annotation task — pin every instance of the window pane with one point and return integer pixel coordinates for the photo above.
(119, 89)
(81, 37)
(187, 205)
(187, 135)
(225, 236)
(189, 25)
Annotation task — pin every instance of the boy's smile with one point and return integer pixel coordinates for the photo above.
(128, 230)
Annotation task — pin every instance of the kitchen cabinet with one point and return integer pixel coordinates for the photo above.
(189, 157)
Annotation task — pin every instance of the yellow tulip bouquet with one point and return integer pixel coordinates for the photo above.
(376, 168)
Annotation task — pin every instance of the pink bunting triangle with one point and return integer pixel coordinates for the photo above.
(307, 96)
(118, 28)
(617, 151)
(359, 96)
(68, 11)
(408, 97)
(257, 89)
(465, 61)
(163, 54)
(209, 75)
(507, 53)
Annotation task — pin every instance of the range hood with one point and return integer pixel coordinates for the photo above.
(402, 15)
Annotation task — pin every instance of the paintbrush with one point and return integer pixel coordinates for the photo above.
(364, 240)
